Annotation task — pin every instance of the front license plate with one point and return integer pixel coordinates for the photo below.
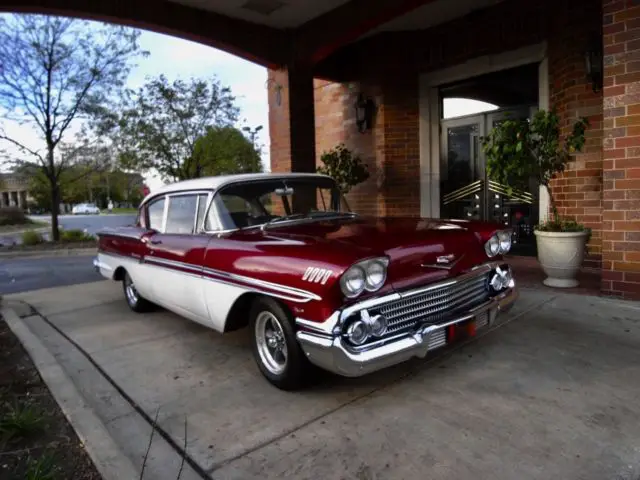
(482, 320)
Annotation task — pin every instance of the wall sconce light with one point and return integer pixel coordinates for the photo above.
(594, 62)
(277, 88)
(365, 110)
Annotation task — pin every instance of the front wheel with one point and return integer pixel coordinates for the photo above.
(275, 347)
(136, 303)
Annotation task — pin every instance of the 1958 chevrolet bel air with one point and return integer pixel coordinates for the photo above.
(316, 283)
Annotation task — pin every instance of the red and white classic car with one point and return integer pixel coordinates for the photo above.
(316, 283)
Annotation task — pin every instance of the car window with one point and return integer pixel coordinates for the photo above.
(156, 213)
(181, 214)
(202, 206)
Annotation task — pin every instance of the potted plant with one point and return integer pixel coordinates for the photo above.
(344, 167)
(519, 150)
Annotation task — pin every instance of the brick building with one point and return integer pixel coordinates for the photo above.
(515, 54)
(410, 55)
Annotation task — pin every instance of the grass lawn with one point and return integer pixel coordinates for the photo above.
(122, 210)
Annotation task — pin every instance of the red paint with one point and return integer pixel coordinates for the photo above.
(281, 255)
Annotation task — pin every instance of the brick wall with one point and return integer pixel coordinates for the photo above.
(621, 189)
(336, 123)
(578, 192)
(392, 149)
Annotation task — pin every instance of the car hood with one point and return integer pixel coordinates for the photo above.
(419, 250)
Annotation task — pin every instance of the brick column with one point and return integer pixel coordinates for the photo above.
(621, 149)
(292, 120)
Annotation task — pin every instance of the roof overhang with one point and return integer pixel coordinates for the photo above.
(272, 33)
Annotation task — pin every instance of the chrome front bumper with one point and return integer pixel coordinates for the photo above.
(331, 353)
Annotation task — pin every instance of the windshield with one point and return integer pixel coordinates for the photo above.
(258, 203)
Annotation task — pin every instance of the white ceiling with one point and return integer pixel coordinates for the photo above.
(294, 13)
(432, 14)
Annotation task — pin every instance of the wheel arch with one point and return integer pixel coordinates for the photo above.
(118, 274)
(238, 316)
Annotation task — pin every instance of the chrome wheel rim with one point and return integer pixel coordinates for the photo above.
(271, 342)
(130, 290)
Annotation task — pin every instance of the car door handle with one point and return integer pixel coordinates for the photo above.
(155, 241)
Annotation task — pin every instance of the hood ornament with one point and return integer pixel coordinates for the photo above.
(443, 261)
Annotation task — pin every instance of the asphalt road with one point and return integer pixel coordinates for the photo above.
(92, 223)
(24, 274)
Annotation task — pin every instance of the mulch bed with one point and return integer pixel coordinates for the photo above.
(20, 384)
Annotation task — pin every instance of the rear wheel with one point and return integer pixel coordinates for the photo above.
(275, 348)
(136, 303)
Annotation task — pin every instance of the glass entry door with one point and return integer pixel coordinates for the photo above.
(466, 191)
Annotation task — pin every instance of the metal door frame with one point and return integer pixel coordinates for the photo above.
(485, 123)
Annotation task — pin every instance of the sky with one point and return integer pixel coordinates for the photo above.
(178, 58)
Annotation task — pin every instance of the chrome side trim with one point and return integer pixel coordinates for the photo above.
(283, 292)
(263, 283)
(332, 354)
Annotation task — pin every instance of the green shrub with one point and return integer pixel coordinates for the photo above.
(75, 235)
(20, 420)
(31, 237)
(13, 216)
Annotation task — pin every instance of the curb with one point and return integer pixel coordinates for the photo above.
(107, 457)
(61, 252)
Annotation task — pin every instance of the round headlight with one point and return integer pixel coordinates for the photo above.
(353, 281)
(376, 275)
(492, 247)
(504, 238)
(378, 325)
(358, 332)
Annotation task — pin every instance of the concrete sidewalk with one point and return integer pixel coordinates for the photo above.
(551, 393)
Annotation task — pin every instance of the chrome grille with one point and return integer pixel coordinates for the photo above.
(435, 305)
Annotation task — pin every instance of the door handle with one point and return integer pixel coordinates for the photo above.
(155, 241)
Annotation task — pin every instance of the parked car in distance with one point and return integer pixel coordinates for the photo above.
(316, 283)
(85, 209)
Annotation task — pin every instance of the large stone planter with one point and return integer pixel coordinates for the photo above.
(561, 255)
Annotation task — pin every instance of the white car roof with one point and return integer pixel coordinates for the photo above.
(213, 183)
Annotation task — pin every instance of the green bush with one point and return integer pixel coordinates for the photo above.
(31, 237)
(13, 216)
(75, 235)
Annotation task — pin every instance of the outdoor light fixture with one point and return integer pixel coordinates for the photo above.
(594, 62)
(365, 108)
(277, 89)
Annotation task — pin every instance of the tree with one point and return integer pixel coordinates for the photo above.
(223, 150)
(54, 72)
(520, 150)
(344, 167)
(160, 124)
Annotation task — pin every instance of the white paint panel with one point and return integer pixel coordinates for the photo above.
(219, 298)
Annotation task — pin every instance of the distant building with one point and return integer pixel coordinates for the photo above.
(14, 190)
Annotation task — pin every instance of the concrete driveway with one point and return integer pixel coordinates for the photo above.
(551, 393)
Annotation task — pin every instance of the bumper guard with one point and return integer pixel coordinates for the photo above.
(332, 354)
